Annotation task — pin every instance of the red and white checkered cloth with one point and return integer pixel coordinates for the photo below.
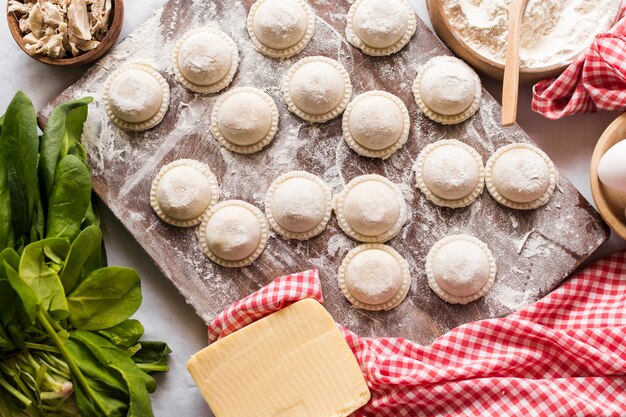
(564, 355)
(596, 80)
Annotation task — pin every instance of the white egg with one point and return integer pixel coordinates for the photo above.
(612, 167)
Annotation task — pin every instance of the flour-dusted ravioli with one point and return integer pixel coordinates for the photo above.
(298, 205)
(374, 277)
(244, 120)
(460, 269)
(447, 90)
(281, 28)
(521, 176)
(376, 124)
(233, 233)
(450, 173)
(317, 88)
(136, 97)
(380, 27)
(205, 60)
(182, 191)
(370, 208)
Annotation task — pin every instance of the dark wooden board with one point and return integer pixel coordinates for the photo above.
(534, 250)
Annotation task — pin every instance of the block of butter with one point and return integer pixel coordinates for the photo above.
(293, 363)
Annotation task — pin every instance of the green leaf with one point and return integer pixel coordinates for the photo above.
(105, 298)
(64, 127)
(152, 357)
(11, 257)
(84, 246)
(8, 297)
(19, 143)
(124, 335)
(27, 297)
(6, 227)
(38, 226)
(36, 271)
(106, 383)
(70, 198)
(113, 358)
(97, 259)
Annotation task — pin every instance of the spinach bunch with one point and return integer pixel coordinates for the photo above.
(67, 344)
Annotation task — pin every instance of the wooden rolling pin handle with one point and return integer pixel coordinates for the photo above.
(510, 85)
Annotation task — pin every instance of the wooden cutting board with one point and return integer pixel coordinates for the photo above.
(534, 250)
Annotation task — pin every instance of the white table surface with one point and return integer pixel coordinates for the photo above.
(165, 314)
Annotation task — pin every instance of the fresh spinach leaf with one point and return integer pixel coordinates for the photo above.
(27, 297)
(105, 383)
(6, 227)
(37, 227)
(84, 246)
(9, 299)
(19, 143)
(36, 271)
(139, 401)
(70, 198)
(11, 257)
(105, 298)
(78, 151)
(152, 357)
(8, 309)
(64, 128)
(124, 335)
(97, 259)
(148, 381)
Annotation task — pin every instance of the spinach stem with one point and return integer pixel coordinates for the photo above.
(10, 346)
(147, 367)
(38, 346)
(45, 320)
(9, 388)
(56, 326)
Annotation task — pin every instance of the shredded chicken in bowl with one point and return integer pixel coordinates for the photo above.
(61, 28)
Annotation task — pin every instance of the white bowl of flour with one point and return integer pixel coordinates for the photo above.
(553, 34)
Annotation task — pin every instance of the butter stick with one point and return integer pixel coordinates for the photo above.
(293, 363)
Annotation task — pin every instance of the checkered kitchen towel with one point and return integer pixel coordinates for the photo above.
(563, 356)
(594, 81)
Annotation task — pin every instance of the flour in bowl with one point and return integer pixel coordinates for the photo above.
(553, 31)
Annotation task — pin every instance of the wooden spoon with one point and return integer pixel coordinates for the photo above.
(511, 66)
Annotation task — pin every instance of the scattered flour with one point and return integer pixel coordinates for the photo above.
(124, 164)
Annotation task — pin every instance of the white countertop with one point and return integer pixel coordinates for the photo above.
(165, 314)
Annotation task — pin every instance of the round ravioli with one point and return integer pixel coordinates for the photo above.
(136, 97)
(182, 191)
(460, 269)
(447, 90)
(298, 205)
(317, 88)
(376, 124)
(205, 60)
(380, 27)
(281, 28)
(370, 209)
(521, 176)
(244, 120)
(233, 233)
(450, 173)
(374, 277)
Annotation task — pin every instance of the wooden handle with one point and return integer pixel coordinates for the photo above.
(511, 68)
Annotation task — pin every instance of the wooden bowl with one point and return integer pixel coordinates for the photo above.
(449, 36)
(115, 27)
(610, 203)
